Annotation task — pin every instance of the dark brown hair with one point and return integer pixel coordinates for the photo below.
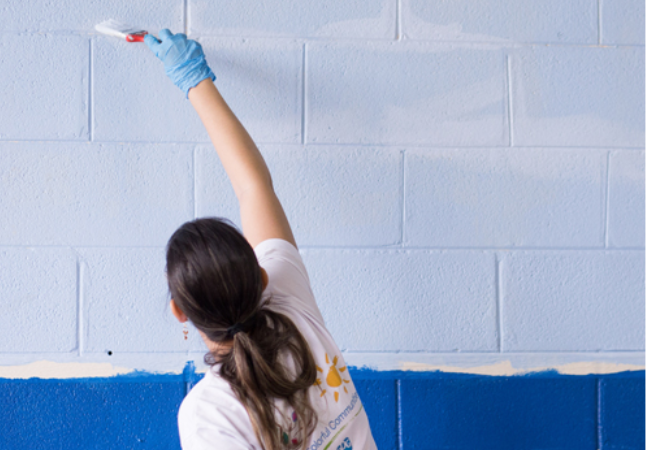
(215, 279)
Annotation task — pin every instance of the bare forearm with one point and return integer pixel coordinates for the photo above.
(239, 155)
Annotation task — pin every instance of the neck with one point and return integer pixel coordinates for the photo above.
(214, 347)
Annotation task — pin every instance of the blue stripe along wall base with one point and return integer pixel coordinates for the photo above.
(407, 410)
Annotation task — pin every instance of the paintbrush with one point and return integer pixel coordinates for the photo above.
(114, 28)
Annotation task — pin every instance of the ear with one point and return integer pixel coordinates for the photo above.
(265, 278)
(180, 315)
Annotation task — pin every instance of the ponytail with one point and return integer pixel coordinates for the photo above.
(257, 373)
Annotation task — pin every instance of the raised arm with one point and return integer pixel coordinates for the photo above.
(262, 216)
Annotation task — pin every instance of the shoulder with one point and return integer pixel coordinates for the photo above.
(275, 252)
(289, 286)
(211, 413)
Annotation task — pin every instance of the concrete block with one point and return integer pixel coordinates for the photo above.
(622, 417)
(379, 399)
(214, 195)
(553, 21)
(90, 194)
(406, 300)
(295, 18)
(126, 303)
(134, 100)
(44, 87)
(505, 198)
(39, 288)
(333, 196)
(623, 22)
(406, 93)
(626, 215)
(80, 15)
(573, 301)
(85, 414)
(578, 96)
(496, 413)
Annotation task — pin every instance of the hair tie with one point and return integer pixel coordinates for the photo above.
(244, 325)
(233, 330)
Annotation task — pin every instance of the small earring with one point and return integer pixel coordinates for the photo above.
(185, 330)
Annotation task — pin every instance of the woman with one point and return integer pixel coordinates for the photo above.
(277, 379)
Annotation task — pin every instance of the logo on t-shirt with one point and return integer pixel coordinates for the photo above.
(345, 445)
(333, 378)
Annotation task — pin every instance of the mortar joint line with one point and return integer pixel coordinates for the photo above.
(90, 90)
(398, 20)
(400, 440)
(185, 18)
(403, 223)
(606, 212)
(510, 101)
(499, 306)
(599, 18)
(80, 295)
(303, 130)
(194, 179)
(414, 146)
(375, 248)
(599, 427)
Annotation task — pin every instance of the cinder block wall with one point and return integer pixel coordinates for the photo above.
(465, 179)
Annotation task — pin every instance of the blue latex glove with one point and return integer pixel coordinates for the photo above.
(184, 60)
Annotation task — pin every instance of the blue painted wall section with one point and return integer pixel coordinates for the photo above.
(379, 398)
(622, 413)
(499, 413)
(122, 413)
(407, 410)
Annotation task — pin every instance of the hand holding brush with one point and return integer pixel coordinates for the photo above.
(184, 60)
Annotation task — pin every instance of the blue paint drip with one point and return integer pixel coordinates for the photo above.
(189, 375)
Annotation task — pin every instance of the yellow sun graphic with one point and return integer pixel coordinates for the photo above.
(333, 379)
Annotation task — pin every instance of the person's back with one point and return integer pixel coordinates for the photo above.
(211, 409)
(277, 379)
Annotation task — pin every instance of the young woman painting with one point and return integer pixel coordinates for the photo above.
(277, 380)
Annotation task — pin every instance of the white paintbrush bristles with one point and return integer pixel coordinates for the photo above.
(114, 28)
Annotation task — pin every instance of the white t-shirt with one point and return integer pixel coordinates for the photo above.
(211, 416)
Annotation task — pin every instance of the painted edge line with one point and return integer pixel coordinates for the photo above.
(62, 370)
(106, 371)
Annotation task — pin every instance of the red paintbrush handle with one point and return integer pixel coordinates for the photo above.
(136, 37)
